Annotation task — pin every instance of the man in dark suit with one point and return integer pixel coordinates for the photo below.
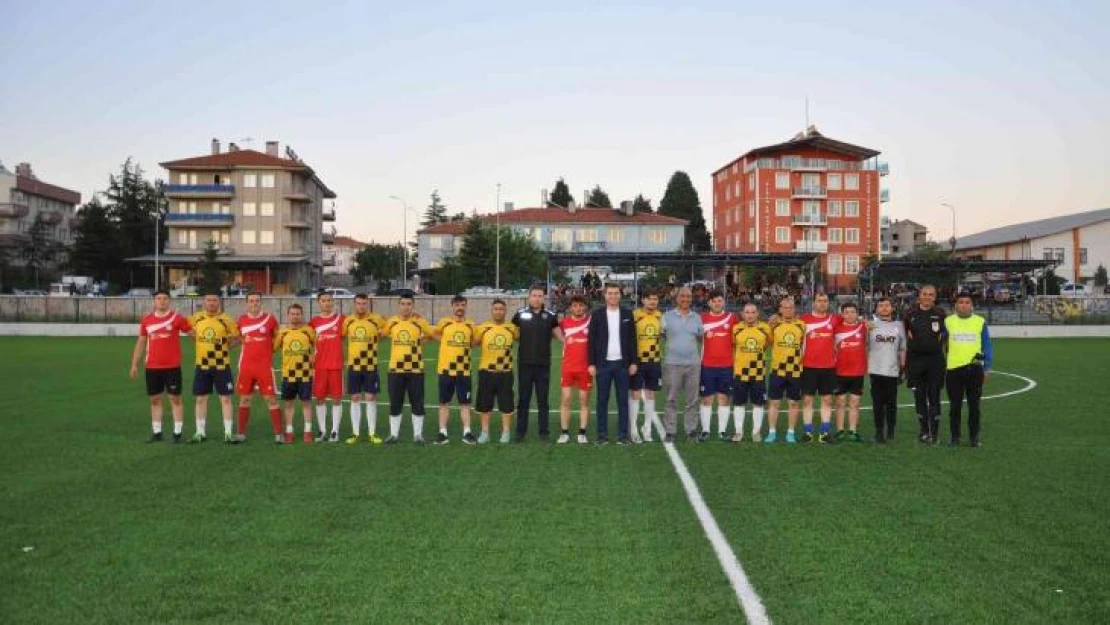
(613, 360)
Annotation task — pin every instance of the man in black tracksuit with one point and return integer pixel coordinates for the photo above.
(537, 327)
(925, 364)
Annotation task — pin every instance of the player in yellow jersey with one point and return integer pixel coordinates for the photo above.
(649, 375)
(455, 335)
(362, 330)
(787, 341)
(407, 333)
(750, 340)
(296, 343)
(216, 333)
(495, 370)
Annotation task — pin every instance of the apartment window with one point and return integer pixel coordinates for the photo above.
(1082, 256)
(561, 235)
(834, 208)
(1059, 254)
(215, 208)
(851, 208)
(435, 242)
(267, 209)
(751, 236)
(782, 234)
(834, 182)
(751, 182)
(658, 236)
(587, 236)
(1048, 255)
(812, 207)
(250, 181)
(836, 235)
(183, 179)
(225, 236)
(851, 264)
(266, 237)
(249, 209)
(782, 208)
(248, 237)
(782, 180)
(182, 237)
(734, 167)
(835, 264)
(736, 189)
(616, 235)
(851, 236)
(192, 179)
(728, 218)
(851, 182)
(267, 181)
(751, 209)
(728, 192)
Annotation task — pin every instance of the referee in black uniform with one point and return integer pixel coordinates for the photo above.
(538, 326)
(925, 366)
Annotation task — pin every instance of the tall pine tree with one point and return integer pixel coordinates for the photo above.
(641, 204)
(681, 200)
(436, 213)
(599, 198)
(94, 243)
(560, 195)
(134, 204)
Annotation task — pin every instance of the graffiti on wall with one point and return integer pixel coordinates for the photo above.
(1059, 308)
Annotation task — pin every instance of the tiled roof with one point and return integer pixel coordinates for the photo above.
(813, 140)
(342, 241)
(237, 158)
(31, 186)
(557, 215)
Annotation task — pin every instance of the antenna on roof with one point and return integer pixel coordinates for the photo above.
(247, 140)
(807, 112)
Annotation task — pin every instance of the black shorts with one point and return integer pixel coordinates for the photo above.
(359, 382)
(452, 386)
(495, 385)
(160, 381)
(849, 385)
(818, 381)
(754, 391)
(207, 380)
(649, 377)
(402, 385)
(291, 390)
(790, 388)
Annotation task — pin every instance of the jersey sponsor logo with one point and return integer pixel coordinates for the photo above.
(258, 326)
(328, 326)
(936, 326)
(965, 337)
(164, 325)
(751, 345)
(788, 340)
(209, 334)
(499, 340)
(886, 338)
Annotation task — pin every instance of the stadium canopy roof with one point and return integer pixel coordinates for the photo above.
(678, 259)
(887, 269)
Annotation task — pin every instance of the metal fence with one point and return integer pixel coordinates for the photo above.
(39, 309)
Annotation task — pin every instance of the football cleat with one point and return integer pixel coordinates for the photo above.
(441, 439)
(308, 440)
(352, 440)
(771, 438)
(469, 438)
(582, 440)
(392, 440)
(155, 437)
(199, 437)
(790, 438)
(483, 438)
(564, 438)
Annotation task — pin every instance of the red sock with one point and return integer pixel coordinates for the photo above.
(275, 419)
(244, 418)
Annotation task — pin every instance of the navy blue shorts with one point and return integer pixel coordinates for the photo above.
(207, 380)
(363, 382)
(451, 386)
(754, 391)
(296, 390)
(649, 377)
(790, 388)
(716, 380)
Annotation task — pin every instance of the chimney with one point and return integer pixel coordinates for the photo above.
(24, 170)
(509, 206)
(215, 146)
(626, 207)
(271, 148)
(543, 198)
(571, 208)
(585, 198)
(232, 147)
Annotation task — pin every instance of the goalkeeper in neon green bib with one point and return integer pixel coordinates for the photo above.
(969, 364)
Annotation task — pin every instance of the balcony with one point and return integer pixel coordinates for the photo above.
(810, 219)
(200, 190)
(819, 247)
(883, 168)
(805, 164)
(329, 261)
(14, 239)
(296, 193)
(329, 214)
(588, 246)
(218, 220)
(884, 195)
(809, 192)
(296, 219)
(328, 237)
(13, 211)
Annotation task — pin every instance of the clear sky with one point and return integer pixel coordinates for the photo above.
(1000, 109)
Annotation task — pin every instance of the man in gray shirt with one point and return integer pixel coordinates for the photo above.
(886, 361)
(682, 364)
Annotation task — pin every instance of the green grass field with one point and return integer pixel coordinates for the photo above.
(96, 526)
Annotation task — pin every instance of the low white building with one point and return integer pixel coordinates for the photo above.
(1079, 243)
(339, 257)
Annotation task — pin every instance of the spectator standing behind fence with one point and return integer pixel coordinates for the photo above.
(682, 329)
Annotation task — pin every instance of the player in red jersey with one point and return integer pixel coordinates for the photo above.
(716, 365)
(819, 367)
(327, 380)
(160, 338)
(851, 366)
(257, 329)
(575, 370)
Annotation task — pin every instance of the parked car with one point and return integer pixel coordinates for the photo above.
(1074, 290)
(400, 292)
(488, 291)
(33, 292)
(338, 293)
(139, 293)
(306, 293)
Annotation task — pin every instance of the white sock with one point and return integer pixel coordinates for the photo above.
(289, 429)
(649, 416)
(308, 427)
(394, 425)
(738, 419)
(228, 425)
(722, 418)
(177, 427)
(336, 416)
(371, 417)
(706, 414)
(156, 427)
(757, 420)
(417, 425)
(633, 412)
(356, 417)
(202, 424)
(322, 417)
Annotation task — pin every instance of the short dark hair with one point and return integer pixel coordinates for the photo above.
(612, 285)
(362, 296)
(458, 299)
(212, 293)
(963, 295)
(750, 303)
(537, 287)
(322, 293)
(647, 294)
(161, 292)
(715, 293)
(847, 305)
(578, 299)
(258, 293)
(883, 299)
(820, 294)
(295, 306)
(406, 296)
(496, 302)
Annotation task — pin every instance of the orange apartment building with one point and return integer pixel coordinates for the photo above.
(809, 194)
